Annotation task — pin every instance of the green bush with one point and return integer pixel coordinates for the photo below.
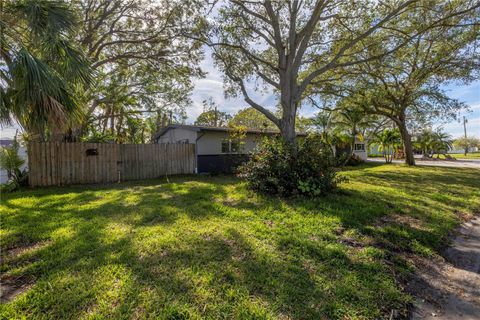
(11, 162)
(275, 168)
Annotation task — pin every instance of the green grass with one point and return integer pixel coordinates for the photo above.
(206, 248)
(470, 155)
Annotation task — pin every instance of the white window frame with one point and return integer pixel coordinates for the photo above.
(355, 148)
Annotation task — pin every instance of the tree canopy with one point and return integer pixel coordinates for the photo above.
(406, 85)
(41, 67)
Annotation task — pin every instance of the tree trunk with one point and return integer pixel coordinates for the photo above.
(407, 142)
(287, 123)
(289, 102)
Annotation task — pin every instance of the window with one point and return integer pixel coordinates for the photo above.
(229, 146)
(225, 146)
(234, 146)
(359, 147)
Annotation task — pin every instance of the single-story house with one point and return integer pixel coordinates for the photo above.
(216, 150)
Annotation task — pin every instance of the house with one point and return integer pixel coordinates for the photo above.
(216, 149)
(360, 149)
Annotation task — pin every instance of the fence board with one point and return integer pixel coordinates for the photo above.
(59, 163)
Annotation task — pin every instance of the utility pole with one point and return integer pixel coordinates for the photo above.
(465, 120)
(216, 116)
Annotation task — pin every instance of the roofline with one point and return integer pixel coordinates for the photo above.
(217, 129)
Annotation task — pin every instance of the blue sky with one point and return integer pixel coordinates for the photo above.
(212, 86)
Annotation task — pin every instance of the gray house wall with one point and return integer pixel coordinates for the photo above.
(178, 135)
(210, 157)
(210, 142)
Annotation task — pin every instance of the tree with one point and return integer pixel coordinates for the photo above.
(431, 142)
(41, 68)
(406, 85)
(251, 118)
(143, 60)
(286, 46)
(352, 120)
(388, 141)
(467, 143)
(211, 116)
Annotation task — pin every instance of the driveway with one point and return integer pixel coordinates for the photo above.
(474, 164)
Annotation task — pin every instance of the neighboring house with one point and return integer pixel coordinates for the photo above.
(216, 150)
(22, 151)
(361, 149)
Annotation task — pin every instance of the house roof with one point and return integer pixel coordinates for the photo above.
(6, 142)
(220, 129)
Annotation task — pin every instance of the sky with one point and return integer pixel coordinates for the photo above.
(212, 86)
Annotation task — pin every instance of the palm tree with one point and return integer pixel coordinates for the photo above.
(431, 142)
(388, 141)
(441, 142)
(41, 72)
(352, 119)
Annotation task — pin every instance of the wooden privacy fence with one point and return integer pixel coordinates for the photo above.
(59, 163)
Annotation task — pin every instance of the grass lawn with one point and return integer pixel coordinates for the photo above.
(474, 155)
(206, 248)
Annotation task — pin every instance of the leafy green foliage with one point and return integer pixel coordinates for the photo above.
(431, 142)
(275, 168)
(388, 140)
(251, 118)
(12, 163)
(145, 59)
(42, 71)
(211, 116)
(467, 143)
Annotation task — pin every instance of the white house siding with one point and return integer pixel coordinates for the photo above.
(178, 135)
(361, 154)
(22, 152)
(210, 142)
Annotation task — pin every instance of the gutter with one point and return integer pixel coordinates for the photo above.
(196, 150)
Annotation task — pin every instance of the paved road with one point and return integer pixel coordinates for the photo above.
(438, 163)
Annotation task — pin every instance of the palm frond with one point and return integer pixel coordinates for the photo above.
(40, 94)
(44, 17)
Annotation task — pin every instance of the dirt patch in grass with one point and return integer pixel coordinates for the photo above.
(11, 286)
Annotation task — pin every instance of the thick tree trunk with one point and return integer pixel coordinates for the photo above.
(407, 142)
(289, 111)
(287, 130)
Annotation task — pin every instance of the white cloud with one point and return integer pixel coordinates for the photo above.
(212, 86)
(455, 128)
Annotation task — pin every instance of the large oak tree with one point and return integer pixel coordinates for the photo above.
(407, 84)
(143, 60)
(285, 46)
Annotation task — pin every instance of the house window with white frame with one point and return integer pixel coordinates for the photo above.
(359, 147)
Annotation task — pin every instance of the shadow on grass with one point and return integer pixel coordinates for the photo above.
(191, 249)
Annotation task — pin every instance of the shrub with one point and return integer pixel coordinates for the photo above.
(275, 168)
(11, 162)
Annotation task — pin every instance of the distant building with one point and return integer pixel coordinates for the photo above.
(360, 149)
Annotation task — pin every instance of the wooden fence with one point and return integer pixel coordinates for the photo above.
(58, 163)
